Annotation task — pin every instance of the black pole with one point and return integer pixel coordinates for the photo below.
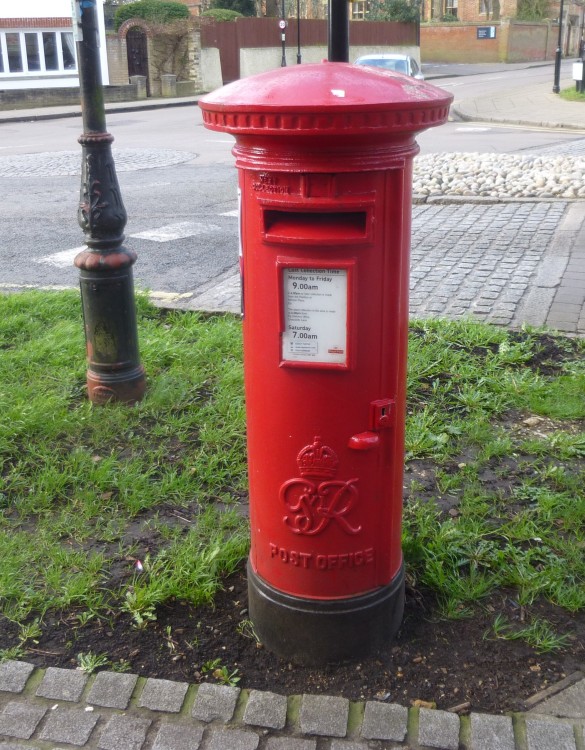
(298, 32)
(107, 288)
(338, 30)
(559, 54)
(283, 37)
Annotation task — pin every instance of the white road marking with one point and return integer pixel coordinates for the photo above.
(42, 287)
(63, 259)
(471, 129)
(169, 296)
(235, 212)
(178, 231)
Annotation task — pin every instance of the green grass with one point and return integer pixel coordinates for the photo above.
(572, 95)
(76, 479)
(80, 486)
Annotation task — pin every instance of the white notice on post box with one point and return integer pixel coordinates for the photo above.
(315, 315)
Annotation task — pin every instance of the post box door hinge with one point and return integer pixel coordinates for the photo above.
(381, 414)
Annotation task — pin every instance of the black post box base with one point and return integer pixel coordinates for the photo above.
(312, 632)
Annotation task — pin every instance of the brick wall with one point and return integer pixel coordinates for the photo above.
(470, 10)
(458, 43)
(531, 42)
(35, 23)
(515, 42)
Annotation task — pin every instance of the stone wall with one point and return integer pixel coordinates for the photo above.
(32, 98)
(261, 59)
(515, 41)
(117, 59)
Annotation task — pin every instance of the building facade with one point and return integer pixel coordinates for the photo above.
(37, 47)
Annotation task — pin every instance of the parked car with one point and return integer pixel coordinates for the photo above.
(399, 63)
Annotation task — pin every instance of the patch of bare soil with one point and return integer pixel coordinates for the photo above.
(450, 663)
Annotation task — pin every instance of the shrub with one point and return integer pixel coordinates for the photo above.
(154, 11)
(245, 7)
(221, 14)
(533, 10)
(401, 11)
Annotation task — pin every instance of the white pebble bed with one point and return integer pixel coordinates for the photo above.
(499, 175)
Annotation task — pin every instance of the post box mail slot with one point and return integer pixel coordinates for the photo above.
(324, 154)
(316, 227)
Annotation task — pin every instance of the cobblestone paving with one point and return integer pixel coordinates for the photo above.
(165, 715)
(570, 148)
(470, 259)
(496, 263)
(66, 163)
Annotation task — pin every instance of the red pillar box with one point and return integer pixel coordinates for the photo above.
(324, 154)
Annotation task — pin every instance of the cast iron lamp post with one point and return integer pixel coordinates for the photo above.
(107, 288)
(338, 31)
(298, 32)
(559, 53)
(282, 25)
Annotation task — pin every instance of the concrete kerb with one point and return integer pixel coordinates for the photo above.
(66, 706)
(550, 124)
(57, 113)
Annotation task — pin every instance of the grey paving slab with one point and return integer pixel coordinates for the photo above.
(163, 695)
(384, 721)
(62, 684)
(70, 725)
(112, 690)
(492, 732)
(14, 675)
(349, 745)
(438, 729)
(265, 709)
(547, 735)
(324, 715)
(12, 746)
(125, 732)
(20, 719)
(178, 737)
(290, 743)
(234, 739)
(215, 702)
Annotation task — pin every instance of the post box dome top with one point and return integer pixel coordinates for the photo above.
(326, 97)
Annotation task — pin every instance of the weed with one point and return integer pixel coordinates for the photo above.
(13, 653)
(245, 628)
(538, 634)
(211, 665)
(221, 672)
(226, 677)
(89, 662)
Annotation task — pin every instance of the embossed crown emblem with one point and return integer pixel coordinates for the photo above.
(317, 460)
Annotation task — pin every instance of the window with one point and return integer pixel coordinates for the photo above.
(486, 7)
(37, 52)
(359, 8)
(33, 56)
(68, 50)
(50, 49)
(14, 53)
(451, 8)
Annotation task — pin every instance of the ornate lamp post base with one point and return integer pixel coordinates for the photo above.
(107, 293)
(107, 287)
